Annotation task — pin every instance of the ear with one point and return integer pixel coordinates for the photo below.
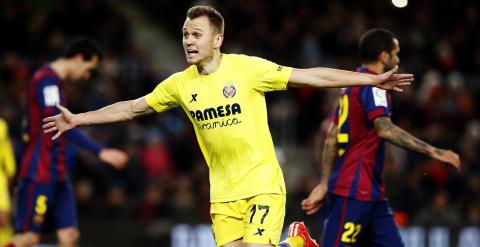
(218, 41)
(384, 57)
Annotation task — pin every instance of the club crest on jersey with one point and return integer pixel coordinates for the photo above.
(229, 91)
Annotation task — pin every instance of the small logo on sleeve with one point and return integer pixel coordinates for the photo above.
(280, 67)
(380, 97)
(51, 95)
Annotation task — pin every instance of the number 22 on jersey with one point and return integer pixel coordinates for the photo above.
(351, 232)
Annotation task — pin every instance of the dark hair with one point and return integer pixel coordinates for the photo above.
(374, 42)
(215, 18)
(84, 46)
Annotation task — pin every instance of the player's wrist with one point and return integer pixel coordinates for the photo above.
(373, 80)
(324, 183)
(436, 153)
(76, 120)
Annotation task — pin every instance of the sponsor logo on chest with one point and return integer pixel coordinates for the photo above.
(220, 115)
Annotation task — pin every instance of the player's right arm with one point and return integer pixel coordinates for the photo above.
(162, 98)
(318, 195)
(395, 135)
(111, 156)
(117, 112)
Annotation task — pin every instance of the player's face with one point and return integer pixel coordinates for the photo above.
(199, 40)
(83, 68)
(393, 58)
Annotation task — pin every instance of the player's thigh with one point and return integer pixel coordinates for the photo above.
(263, 220)
(258, 245)
(4, 202)
(227, 222)
(34, 201)
(4, 195)
(346, 222)
(383, 231)
(236, 243)
(26, 239)
(65, 210)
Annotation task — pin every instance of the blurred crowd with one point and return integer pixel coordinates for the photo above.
(166, 180)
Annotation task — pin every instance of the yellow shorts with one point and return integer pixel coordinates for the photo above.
(256, 220)
(4, 195)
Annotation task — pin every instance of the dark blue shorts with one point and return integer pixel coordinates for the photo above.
(45, 207)
(358, 223)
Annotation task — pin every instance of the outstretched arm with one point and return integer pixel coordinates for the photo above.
(318, 195)
(394, 134)
(325, 77)
(120, 111)
(113, 157)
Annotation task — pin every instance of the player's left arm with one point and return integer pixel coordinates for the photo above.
(396, 135)
(327, 78)
(113, 157)
(318, 195)
(329, 152)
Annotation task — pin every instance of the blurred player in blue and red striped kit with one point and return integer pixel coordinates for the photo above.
(358, 212)
(45, 199)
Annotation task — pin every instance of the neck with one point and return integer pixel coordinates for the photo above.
(376, 67)
(211, 64)
(60, 66)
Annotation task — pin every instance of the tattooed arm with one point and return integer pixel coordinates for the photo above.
(329, 152)
(394, 134)
(318, 195)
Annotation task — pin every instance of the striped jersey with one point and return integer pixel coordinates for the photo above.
(44, 159)
(357, 172)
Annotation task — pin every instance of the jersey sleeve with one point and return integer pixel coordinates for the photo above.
(375, 102)
(48, 93)
(78, 137)
(165, 94)
(269, 76)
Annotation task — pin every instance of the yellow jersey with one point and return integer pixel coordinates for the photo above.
(228, 112)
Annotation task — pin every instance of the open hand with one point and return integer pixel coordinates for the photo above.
(113, 157)
(448, 156)
(391, 81)
(315, 200)
(61, 122)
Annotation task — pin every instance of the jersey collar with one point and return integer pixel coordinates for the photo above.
(363, 69)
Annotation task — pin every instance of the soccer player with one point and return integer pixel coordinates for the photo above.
(359, 214)
(224, 97)
(7, 172)
(45, 196)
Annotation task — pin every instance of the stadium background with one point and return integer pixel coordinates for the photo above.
(166, 181)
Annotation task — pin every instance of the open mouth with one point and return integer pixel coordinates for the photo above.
(191, 52)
